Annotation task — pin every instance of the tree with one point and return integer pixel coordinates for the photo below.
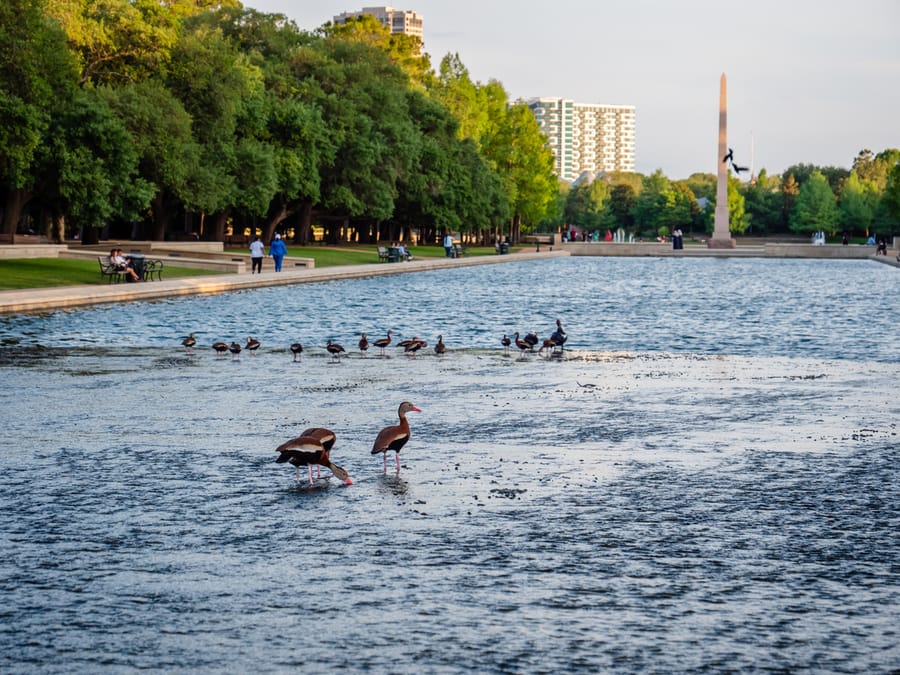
(225, 97)
(703, 185)
(815, 208)
(763, 205)
(685, 211)
(889, 207)
(619, 208)
(585, 202)
(738, 221)
(404, 51)
(789, 192)
(465, 99)
(168, 156)
(857, 205)
(517, 150)
(123, 41)
(37, 78)
(652, 203)
(90, 169)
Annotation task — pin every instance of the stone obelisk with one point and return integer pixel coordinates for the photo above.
(721, 237)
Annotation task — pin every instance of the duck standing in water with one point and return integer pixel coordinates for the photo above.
(394, 437)
(188, 343)
(296, 350)
(312, 447)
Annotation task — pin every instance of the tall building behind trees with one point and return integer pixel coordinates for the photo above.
(399, 21)
(586, 137)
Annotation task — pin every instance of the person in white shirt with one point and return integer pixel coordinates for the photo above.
(123, 264)
(257, 252)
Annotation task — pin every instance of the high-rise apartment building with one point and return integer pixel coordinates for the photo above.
(398, 20)
(586, 136)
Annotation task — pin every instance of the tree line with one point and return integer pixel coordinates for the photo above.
(199, 118)
(805, 198)
(159, 119)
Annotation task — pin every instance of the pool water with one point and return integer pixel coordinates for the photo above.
(706, 480)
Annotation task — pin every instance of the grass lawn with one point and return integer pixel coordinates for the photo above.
(332, 256)
(18, 273)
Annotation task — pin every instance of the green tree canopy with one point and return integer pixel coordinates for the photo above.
(815, 208)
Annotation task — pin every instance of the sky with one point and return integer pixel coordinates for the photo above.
(809, 81)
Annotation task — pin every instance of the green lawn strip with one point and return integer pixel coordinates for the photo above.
(19, 273)
(333, 256)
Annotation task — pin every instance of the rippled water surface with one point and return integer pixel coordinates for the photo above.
(706, 481)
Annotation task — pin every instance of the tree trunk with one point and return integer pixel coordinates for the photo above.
(162, 217)
(278, 216)
(303, 229)
(214, 229)
(16, 199)
(58, 228)
(90, 236)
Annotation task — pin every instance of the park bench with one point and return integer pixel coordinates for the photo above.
(383, 254)
(108, 270)
(152, 267)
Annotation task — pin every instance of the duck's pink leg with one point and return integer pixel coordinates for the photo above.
(309, 471)
(384, 456)
(397, 457)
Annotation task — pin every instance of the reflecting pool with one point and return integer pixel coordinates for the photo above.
(708, 478)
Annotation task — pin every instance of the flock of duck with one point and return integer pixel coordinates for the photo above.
(410, 346)
(313, 446)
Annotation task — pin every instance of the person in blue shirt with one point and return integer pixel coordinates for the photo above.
(277, 250)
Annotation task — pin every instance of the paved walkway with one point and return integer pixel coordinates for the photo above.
(61, 297)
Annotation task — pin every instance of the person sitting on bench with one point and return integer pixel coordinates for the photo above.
(123, 264)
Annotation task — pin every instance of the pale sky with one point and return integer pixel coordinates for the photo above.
(809, 81)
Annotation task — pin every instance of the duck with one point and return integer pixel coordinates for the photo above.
(559, 335)
(381, 343)
(252, 344)
(235, 349)
(523, 345)
(189, 342)
(296, 350)
(549, 343)
(412, 346)
(334, 349)
(311, 447)
(506, 342)
(363, 344)
(220, 348)
(532, 339)
(440, 348)
(394, 437)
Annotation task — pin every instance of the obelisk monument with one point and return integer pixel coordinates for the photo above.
(721, 237)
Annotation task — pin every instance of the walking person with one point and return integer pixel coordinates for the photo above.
(277, 250)
(448, 244)
(257, 251)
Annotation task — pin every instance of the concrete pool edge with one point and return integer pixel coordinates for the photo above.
(33, 300)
